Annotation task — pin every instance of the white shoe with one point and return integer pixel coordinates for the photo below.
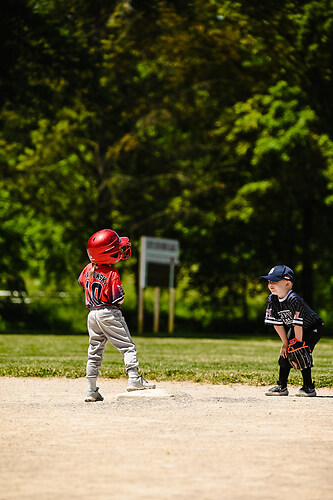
(277, 390)
(93, 396)
(137, 384)
(307, 392)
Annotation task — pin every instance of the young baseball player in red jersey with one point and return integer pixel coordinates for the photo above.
(104, 295)
(298, 326)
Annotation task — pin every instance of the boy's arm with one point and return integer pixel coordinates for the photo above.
(280, 330)
(298, 332)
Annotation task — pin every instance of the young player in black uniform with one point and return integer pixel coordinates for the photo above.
(297, 325)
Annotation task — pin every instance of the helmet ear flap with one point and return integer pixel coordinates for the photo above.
(125, 247)
(126, 251)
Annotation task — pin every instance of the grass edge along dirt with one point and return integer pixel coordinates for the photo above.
(229, 360)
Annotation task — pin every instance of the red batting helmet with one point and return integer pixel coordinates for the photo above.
(106, 247)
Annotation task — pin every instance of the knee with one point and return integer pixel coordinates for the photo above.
(129, 349)
(283, 362)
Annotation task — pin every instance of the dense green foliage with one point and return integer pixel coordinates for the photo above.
(234, 359)
(206, 121)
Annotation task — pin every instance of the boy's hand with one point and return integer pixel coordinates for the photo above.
(284, 351)
(295, 344)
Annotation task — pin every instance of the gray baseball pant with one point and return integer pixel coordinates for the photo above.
(108, 324)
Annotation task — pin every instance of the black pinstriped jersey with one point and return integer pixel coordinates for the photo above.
(290, 311)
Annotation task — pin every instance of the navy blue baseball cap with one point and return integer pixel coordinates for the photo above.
(280, 272)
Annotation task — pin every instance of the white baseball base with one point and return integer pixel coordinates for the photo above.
(146, 393)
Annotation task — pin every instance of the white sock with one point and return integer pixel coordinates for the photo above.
(133, 373)
(92, 384)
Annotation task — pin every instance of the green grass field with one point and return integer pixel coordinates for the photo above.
(251, 360)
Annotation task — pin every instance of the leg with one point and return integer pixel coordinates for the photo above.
(307, 378)
(97, 342)
(116, 330)
(308, 389)
(113, 324)
(281, 388)
(284, 371)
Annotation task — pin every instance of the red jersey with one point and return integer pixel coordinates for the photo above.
(104, 288)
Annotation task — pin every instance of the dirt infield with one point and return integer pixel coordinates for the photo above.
(204, 442)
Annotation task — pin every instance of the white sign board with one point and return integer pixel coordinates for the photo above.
(158, 251)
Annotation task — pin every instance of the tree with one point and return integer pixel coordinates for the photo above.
(186, 119)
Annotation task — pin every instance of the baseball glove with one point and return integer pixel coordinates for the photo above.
(299, 355)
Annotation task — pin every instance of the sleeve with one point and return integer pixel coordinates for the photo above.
(80, 279)
(300, 310)
(271, 317)
(117, 292)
